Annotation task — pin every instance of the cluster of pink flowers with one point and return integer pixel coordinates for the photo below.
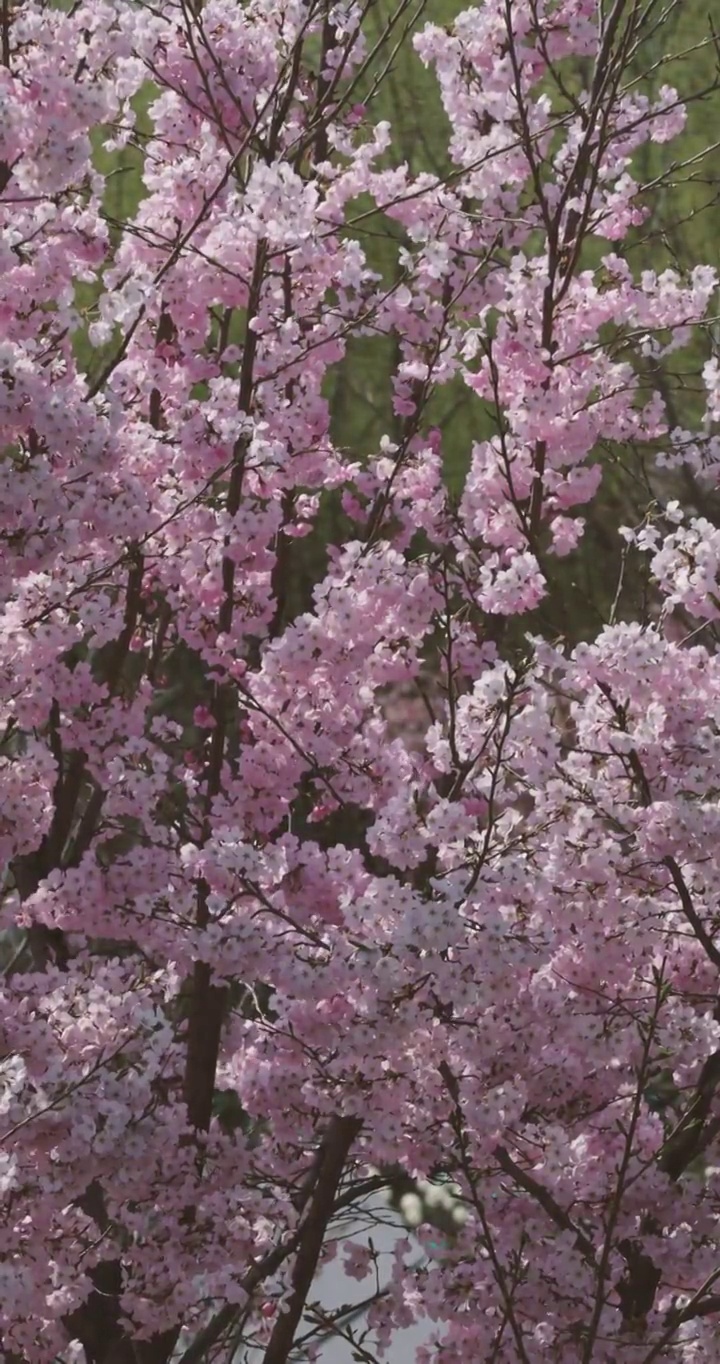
(486, 950)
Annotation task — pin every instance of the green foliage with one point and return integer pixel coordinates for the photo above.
(682, 191)
(662, 1091)
(232, 1117)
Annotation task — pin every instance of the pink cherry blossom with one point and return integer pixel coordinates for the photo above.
(339, 856)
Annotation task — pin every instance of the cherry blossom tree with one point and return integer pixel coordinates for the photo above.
(267, 948)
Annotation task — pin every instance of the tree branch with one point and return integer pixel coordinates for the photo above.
(340, 1137)
(542, 1196)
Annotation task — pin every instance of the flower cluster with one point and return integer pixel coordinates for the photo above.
(260, 941)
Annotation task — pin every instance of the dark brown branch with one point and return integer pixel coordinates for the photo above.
(133, 607)
(227, 1316)
(686, 1141)
(525, 1181)
(698, 1306)
(207, 1009)
(328, 42)
(339, 1140)
(669, 862)
(209, 1336)
(165, 335)
(5, 22)
(690, 912)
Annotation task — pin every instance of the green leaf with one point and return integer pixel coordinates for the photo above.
(229, 1111)
(232, 1117)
